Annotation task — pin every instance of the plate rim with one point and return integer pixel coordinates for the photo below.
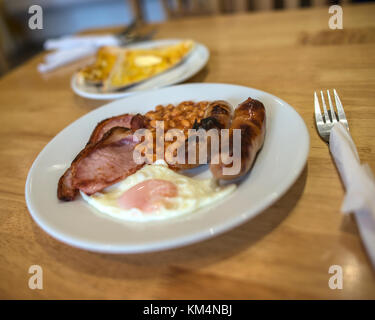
(181, 241)
(124, 94)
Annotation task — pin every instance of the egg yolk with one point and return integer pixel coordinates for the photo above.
(148, 195)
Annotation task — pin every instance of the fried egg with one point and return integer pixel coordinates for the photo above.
(156, 192)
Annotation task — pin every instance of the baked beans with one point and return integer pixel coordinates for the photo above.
(181, 116)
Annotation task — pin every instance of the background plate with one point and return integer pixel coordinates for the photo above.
(195, 61)
(278, 165)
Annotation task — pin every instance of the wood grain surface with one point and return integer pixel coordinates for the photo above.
(283, 253)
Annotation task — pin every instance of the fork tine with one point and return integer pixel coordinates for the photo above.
(340, 110)
(318, 113)
(327, 119)
(331, 107)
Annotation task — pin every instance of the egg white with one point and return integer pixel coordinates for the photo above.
(193, 194)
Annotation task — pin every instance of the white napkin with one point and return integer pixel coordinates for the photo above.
(62, 57)
(72, 48)
(359, 184)
(69, 42)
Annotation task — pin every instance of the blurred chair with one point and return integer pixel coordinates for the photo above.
(137, 10)
(183, 8)
(5, 44)
(290, 4)
(4, 66)
(3, 63)
(11, 37)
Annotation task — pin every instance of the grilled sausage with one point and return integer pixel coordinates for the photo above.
(218, 115)
(250, 119)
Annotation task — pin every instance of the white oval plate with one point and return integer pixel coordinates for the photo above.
(195, 61)
(277, 166)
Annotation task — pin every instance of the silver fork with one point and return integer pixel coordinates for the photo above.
(360, 187)
(132, 34)
(326, 121)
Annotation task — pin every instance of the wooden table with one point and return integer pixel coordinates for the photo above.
(283, 253)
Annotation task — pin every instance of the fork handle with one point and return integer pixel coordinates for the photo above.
(359, 184)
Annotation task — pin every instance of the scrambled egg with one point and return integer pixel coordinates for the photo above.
(116, 67)
(139, 64)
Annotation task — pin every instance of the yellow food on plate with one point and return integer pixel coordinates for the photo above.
(156, 192)
(140, 64)
(98, 72)
(116, 67)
